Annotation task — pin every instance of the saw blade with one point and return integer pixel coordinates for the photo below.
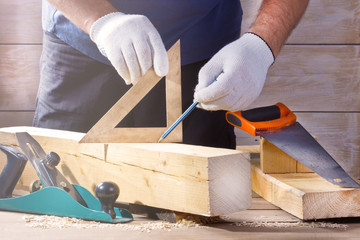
(295, 141)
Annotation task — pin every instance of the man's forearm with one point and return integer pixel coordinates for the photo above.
(276, 20)
(83, 13)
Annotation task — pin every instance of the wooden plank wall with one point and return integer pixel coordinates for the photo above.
(20, 48)
(316, 74)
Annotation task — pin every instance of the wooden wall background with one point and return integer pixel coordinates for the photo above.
(316, 74)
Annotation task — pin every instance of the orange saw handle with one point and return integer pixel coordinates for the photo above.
(263, 118)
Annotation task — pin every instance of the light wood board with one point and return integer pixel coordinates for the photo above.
(314, 78)
(19, 76)
(276, 177)
(305, 78)
(185, 178)
(306, 195)
(273, 160)
(20, 21)
(324, 22)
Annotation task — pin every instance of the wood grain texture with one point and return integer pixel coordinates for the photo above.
(19, 76)
(273, 160)
(314, 78)
(104, 130)
(324, 22)
(20, 21)
(185, 178)
(305, 78)
(339, 134)
(306, 195)
(9, 119)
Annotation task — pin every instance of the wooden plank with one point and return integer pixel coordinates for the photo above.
(261, 216)
(273, 160)
(105, 129)
(185, 178)
(20, 21)
(10, 119)
(314, 78)
(306, 195)
(325, 78)
(19, 76)
(330, 22)
(258, 203)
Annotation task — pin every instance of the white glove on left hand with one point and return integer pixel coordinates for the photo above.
(240, 69)
(131, 43)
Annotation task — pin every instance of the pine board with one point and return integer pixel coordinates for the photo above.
(20, 22)
(185, 178)
(324, 22)
(306, 195)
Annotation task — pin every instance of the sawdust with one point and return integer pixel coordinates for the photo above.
(201, 220)
(48, 222)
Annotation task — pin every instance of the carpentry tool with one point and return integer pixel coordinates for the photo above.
(277, 124)
(182, 117)
(58, 196)
(12, 170)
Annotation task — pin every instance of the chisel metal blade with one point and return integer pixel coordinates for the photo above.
(295, 141)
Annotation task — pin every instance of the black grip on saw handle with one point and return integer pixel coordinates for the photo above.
(12, 171)
(261, 119)
(262, 114)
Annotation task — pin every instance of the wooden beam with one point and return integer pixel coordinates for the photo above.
(273, 160)
(185, 178)
(306, 195)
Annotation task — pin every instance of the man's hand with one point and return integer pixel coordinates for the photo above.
(240, 69)
(131, 43)
(245, 62)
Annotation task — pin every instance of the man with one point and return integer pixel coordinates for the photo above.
(94, 49)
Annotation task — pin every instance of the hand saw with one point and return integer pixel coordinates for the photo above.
(278, 125)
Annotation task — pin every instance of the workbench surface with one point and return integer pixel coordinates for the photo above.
(262, 221)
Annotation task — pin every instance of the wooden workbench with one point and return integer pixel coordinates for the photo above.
(259, 222)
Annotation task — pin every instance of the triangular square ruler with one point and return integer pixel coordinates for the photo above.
(105, 131)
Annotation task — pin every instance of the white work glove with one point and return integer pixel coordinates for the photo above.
(131, 43)
(240, 69)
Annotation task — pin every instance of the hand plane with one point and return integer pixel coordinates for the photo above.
(58, 196)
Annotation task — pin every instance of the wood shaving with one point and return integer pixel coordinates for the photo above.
(47, 222)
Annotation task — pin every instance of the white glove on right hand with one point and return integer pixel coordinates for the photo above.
(240, 69)
(131, 43)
